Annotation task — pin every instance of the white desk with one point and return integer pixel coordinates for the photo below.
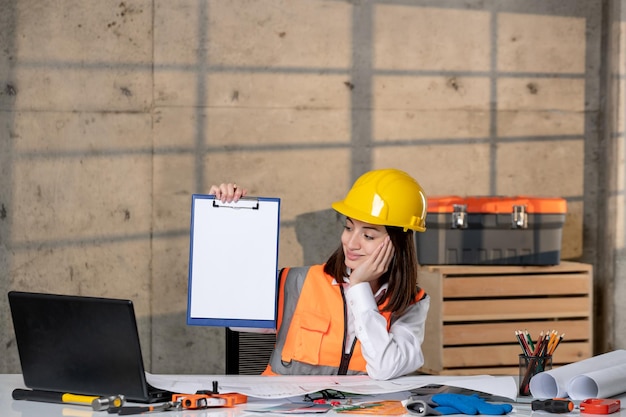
(12, 408)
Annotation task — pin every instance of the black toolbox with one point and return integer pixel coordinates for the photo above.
(482, 230)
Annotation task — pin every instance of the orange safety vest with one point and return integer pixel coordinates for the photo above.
(312, 326)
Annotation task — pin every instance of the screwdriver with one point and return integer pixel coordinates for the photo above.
(555, 405)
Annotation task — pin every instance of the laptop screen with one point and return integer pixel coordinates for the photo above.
(81, 345)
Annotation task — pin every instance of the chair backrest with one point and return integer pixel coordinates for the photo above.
(248, 353)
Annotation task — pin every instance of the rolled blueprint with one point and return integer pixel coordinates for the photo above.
(603, 383)
(555, 382)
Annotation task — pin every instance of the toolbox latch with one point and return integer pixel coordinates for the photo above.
(459, 216)
(519, 218)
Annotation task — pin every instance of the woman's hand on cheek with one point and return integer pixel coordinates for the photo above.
(375, 265)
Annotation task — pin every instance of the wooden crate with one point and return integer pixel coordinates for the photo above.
(475, 310)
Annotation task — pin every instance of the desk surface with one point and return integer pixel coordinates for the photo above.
(12, 408)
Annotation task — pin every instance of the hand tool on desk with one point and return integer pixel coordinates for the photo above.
(108, 403)
(231, 398)
(131, 410)
(198, 401)
(555, 405)
(599, 406)
(183, 402)
(98, 403)
(421, 408)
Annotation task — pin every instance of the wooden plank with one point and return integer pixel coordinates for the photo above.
(433, 340)
(512, 285)
(504, 332)
(563, 267)
(460, 333)
(516, 309)
(508, 355)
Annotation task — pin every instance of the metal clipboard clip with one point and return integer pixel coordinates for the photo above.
(250, 203)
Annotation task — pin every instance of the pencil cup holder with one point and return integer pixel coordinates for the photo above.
(530, 366)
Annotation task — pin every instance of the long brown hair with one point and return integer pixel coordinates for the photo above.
(401, 275)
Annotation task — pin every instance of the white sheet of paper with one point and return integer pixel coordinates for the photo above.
(234, 260)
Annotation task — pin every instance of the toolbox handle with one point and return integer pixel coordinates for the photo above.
(459, 216)
(519, 217)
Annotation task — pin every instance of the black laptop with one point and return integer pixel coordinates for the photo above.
(80, 345)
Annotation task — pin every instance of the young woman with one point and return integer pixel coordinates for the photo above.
(361, 311)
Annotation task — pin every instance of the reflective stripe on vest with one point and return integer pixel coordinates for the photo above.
(311, 326)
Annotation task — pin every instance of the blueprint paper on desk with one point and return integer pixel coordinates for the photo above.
(275, 387)
(294, 408)
(233, 262)
(601, 376)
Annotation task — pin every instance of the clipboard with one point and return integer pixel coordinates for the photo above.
(233, 262)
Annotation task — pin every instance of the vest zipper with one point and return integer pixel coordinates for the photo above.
(345, 357)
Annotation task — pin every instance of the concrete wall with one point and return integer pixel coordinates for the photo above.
(616, 114)
(113, 113)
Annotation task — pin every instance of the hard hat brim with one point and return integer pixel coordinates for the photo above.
(350, 212)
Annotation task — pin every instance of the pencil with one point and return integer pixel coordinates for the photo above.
(523, 343)
(538, 345)
(519, 341)
(551, 338)
(530, 341)
(544, 344)
(556, 344)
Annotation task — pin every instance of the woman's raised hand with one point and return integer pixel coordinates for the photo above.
(228, 192)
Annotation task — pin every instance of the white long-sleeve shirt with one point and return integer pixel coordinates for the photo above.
(392, 353)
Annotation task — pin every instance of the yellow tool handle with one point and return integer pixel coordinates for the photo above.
(79, 399)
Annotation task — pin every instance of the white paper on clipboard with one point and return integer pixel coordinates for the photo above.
(233, 262)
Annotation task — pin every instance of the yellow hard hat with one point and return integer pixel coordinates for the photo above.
(387, 197)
